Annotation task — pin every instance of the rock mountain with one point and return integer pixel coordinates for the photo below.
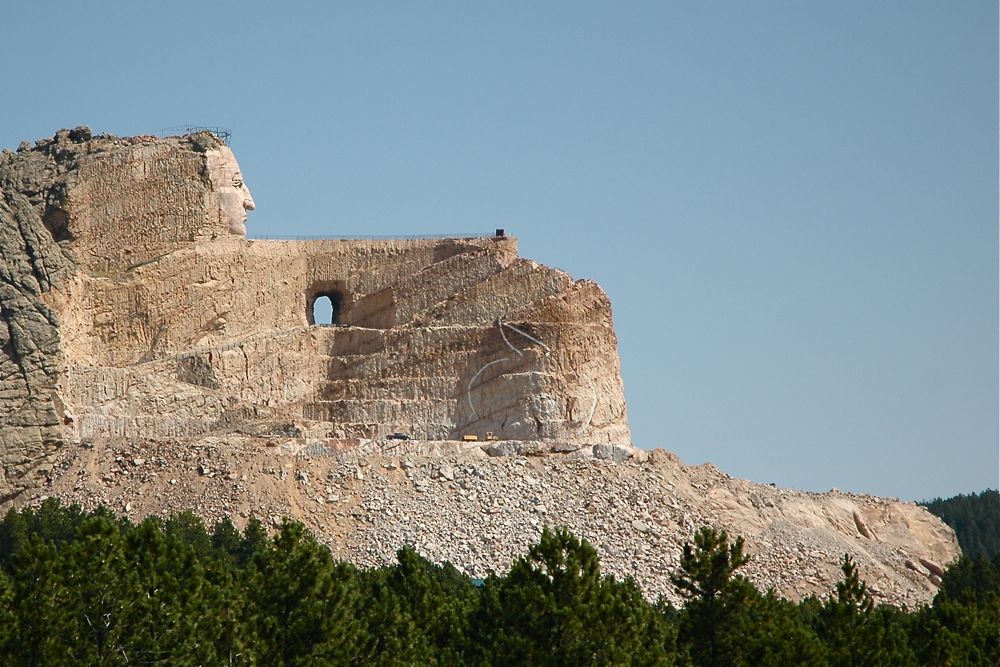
(155, 359)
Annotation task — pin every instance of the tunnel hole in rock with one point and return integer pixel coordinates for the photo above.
(56, 220)
(326, 308)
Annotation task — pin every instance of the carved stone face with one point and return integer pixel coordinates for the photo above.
(230, 193)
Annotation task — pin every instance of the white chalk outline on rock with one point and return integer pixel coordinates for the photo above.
(501, 324)
(504, 336)
(593, 408)
(468, 390)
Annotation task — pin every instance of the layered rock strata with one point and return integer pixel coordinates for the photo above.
(154, 359)
(135, 307)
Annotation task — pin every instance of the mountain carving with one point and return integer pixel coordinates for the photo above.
(153, 358)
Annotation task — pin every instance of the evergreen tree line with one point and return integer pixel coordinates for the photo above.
(975, 519)
(79, 588)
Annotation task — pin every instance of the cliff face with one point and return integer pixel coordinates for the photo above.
(32, 264)
(138, 309)
(436, 339)
(153, 359)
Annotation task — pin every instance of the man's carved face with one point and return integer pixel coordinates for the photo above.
(230, 192)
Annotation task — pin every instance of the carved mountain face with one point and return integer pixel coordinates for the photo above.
(230, 195)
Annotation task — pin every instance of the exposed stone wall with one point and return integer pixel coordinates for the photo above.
(167, 322)
(134, 203)
(146, 345)
(32, 264)
(432, 366)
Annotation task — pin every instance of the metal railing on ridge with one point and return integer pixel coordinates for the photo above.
(370, 237)
(222, 133)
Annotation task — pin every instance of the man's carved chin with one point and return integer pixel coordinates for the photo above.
(238, 227)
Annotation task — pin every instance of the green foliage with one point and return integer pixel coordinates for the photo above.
(51, 522)
(715, 617)
(438, 599)
(179, 612)
(555, 608)
(391, 637)
(254, 541)
(188, 528)
(226, 541)
(770, 631)
(975, 519)
(855, 631)
(971, 581)
(100, 592)
(843, 617)
(708, 568)
(37, 602)
(960, 628)
(90, 588)
(853, 599)
(8, 621)
(301, 603)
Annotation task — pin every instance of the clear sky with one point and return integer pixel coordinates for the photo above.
(792, 205)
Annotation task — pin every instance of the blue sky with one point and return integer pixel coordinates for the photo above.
(793, 206)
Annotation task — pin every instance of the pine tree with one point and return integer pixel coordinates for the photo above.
(960, 627)
(439, 600)
(718, 599)
(708, 568)
(176, 615)
(975, 519)
(8, 621)
(189, 529)
(39, 603)
(254, 541)
(101, 591)
(301, 605)
(854, 631)
(389, 635)
(765, 630)
(51, 522)
(13, 535)
(554, 608)
(226, 541)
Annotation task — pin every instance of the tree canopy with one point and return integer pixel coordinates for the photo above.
(89, 588)
(975, 519)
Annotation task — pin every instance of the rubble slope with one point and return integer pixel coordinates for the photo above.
(479, 505)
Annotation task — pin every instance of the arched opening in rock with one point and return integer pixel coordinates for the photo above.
(57, 222)
(326, 308)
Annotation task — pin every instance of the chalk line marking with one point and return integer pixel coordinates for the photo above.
(504, 336)
(527, 335)
(593, 408)
(468, 390)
